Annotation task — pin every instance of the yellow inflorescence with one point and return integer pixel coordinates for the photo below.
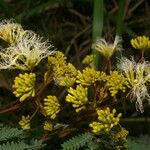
(141, 42)
(70, 76)
(122, 134)
(51, 106)
(121, 139)
(78, 97)
(116, 82)
(89, 76)
(106, 120)
(25, 122)
(24, 86)
(58, 64)
(89, 60)
(48, 126)
(63, 73)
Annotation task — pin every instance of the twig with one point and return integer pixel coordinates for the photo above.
(135, 6)
(75, 37)
(10, 108)
(82, 17)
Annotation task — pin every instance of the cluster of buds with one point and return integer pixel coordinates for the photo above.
(89, 60)
(116, 82)
(24, 86)
(120, 139)
(106, 120)
(78, 97)
(48, 126)
(63, 73)
(89, 76)
(141, 42)
(51, 106)
(25, 122)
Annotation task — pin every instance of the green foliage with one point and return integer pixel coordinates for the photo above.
(7, 133)
(79, 141)
(21, 145)
(92, 145)
(98, 15)
(141, 143)
(12, 139)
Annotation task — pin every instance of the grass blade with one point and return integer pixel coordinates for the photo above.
(97, 26)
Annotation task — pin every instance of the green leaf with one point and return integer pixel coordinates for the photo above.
(98, 15)
(77, 142)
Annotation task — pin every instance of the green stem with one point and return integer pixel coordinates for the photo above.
(120, 20)
(97, 26)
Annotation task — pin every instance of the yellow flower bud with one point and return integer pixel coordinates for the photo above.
(51, 106)
(116, 82)
(63, 73)
(141, 42)
(48, 126)
(78, 97)
(24, 86)
(106, 120)
(89, 76)
(25, 122)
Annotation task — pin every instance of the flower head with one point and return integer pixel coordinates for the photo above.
(89, 76)
(63, 73)
(138, 76)
(48, 126)
(51, 106)
(24, 86)
(140, 42)
(10, 31)
(78, 97)
(120, 139)
(106, 120)
(89, 60)
(25, 122)
(106, 49)
(25, 54)
(115, 82)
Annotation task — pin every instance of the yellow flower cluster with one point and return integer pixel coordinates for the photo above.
(70, 76)
(48, 126)
(63, 73)
(78, 97)
(25, 122)
(51, 106)
(116, 82)
(89, 76)
(106, 120)
(122, 134)
(141, 42)
(121, 139)
(89, 60)
(10, 31)
(24, 86)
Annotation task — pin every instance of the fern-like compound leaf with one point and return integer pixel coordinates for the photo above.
(77, 142)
